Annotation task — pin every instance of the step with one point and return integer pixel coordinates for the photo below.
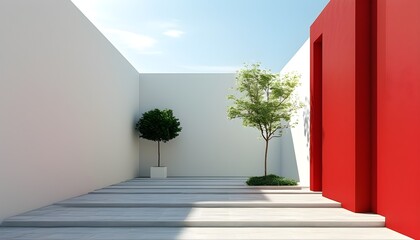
(164, 186)
(158, 233)
(188, 178)
(204, 205)
(58, 216)
(200, 200)
(198, 191)
(181, 183)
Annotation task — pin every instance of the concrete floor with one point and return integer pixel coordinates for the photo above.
(196, 208)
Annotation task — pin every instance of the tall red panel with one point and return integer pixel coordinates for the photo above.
(345, 103)
(398, 115)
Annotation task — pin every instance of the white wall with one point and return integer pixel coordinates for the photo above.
(68, 102)
(295, 142)
(209, 144)
(212, 145)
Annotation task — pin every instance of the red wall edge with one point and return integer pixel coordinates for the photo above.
(316, 116)
(363, 107)
(373, 102)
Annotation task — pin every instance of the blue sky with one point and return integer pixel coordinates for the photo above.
(203, 35)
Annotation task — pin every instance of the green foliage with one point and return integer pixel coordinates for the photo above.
(158, 125)
(266, 100)
(270, 180)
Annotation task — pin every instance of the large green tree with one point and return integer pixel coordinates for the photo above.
(265, 101)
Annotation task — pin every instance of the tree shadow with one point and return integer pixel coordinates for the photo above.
(286, 164)
(306, 120)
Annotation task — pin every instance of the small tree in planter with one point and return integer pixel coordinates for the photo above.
(159, 126)
(266, 102)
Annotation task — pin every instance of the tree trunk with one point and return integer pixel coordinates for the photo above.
(265, 158)
(158, 153)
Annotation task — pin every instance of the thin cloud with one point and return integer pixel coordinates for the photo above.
(170, 28)
(212, 69)
(173, 33)
(165, 24)
(151, 52)
(141, 43)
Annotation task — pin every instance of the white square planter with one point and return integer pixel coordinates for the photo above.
(158, 172)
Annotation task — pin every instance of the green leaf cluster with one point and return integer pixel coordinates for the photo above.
(266, 100)
(158, 125)
(270, 180)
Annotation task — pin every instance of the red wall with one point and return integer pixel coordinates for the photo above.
(365, 108)
(345, 116)
(398, 115)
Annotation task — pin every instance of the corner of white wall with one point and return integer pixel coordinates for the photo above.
(296, 140)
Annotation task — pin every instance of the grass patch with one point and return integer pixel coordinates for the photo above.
(270, 180)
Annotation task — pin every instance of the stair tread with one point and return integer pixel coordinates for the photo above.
(199, 191)
(201, 200)
(162, 216)
(196, 233)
